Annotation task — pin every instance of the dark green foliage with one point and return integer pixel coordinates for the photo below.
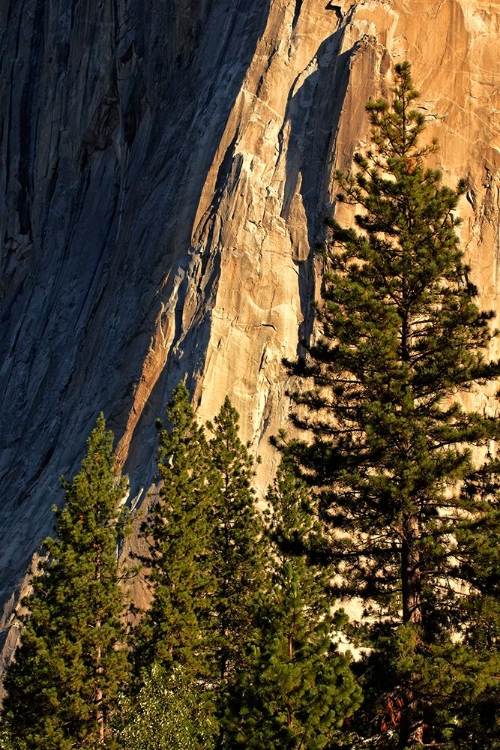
(391, 447)
(178, 530)
(237, 555)
(236, 545)
(63, 687)
(206, 556)
(296, 689)
(480, 714)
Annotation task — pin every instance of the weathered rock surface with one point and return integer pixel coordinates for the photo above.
(165, 166)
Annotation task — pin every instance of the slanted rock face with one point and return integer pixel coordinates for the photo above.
(166, 167)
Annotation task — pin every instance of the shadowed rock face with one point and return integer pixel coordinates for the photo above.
(166, 166)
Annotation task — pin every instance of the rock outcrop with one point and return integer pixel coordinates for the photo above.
(165, 167)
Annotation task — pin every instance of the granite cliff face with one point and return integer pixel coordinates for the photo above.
(165, 166)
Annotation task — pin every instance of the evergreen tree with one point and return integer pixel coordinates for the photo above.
(296, 689)
(64, 683)
(236, 554)
(402, 338)
(178, 532)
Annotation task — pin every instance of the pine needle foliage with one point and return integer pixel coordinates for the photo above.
(296, 689)
(63, 687)
(237, 550)
(178, 532)
(479, 711)
(237, 555)
(206, 556)
(403, 340)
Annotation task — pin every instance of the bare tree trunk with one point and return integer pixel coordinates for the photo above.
(99, 668)
(290, 656)
(411, 729)
(99, 701)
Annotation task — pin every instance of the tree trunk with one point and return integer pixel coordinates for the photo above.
(412, 721)
(99, 669)
(99, 702)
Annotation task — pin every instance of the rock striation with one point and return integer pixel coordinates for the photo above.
(165, 167)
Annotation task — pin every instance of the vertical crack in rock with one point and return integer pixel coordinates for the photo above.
(296, 12)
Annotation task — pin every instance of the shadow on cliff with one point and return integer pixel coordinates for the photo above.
(206, 87)
(144, 91)
(313, 116)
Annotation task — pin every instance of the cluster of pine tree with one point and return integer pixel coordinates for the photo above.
(391, 502)
(236, 649)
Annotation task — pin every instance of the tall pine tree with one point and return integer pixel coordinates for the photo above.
(63, 687)
(391, 449)
(178, 532)
(206, 557)
(295, 689)
(237, 556)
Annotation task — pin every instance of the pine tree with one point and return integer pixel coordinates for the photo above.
(296, 689)
(62, 688)
(178, 532)
(391, 449)
(237, 554)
